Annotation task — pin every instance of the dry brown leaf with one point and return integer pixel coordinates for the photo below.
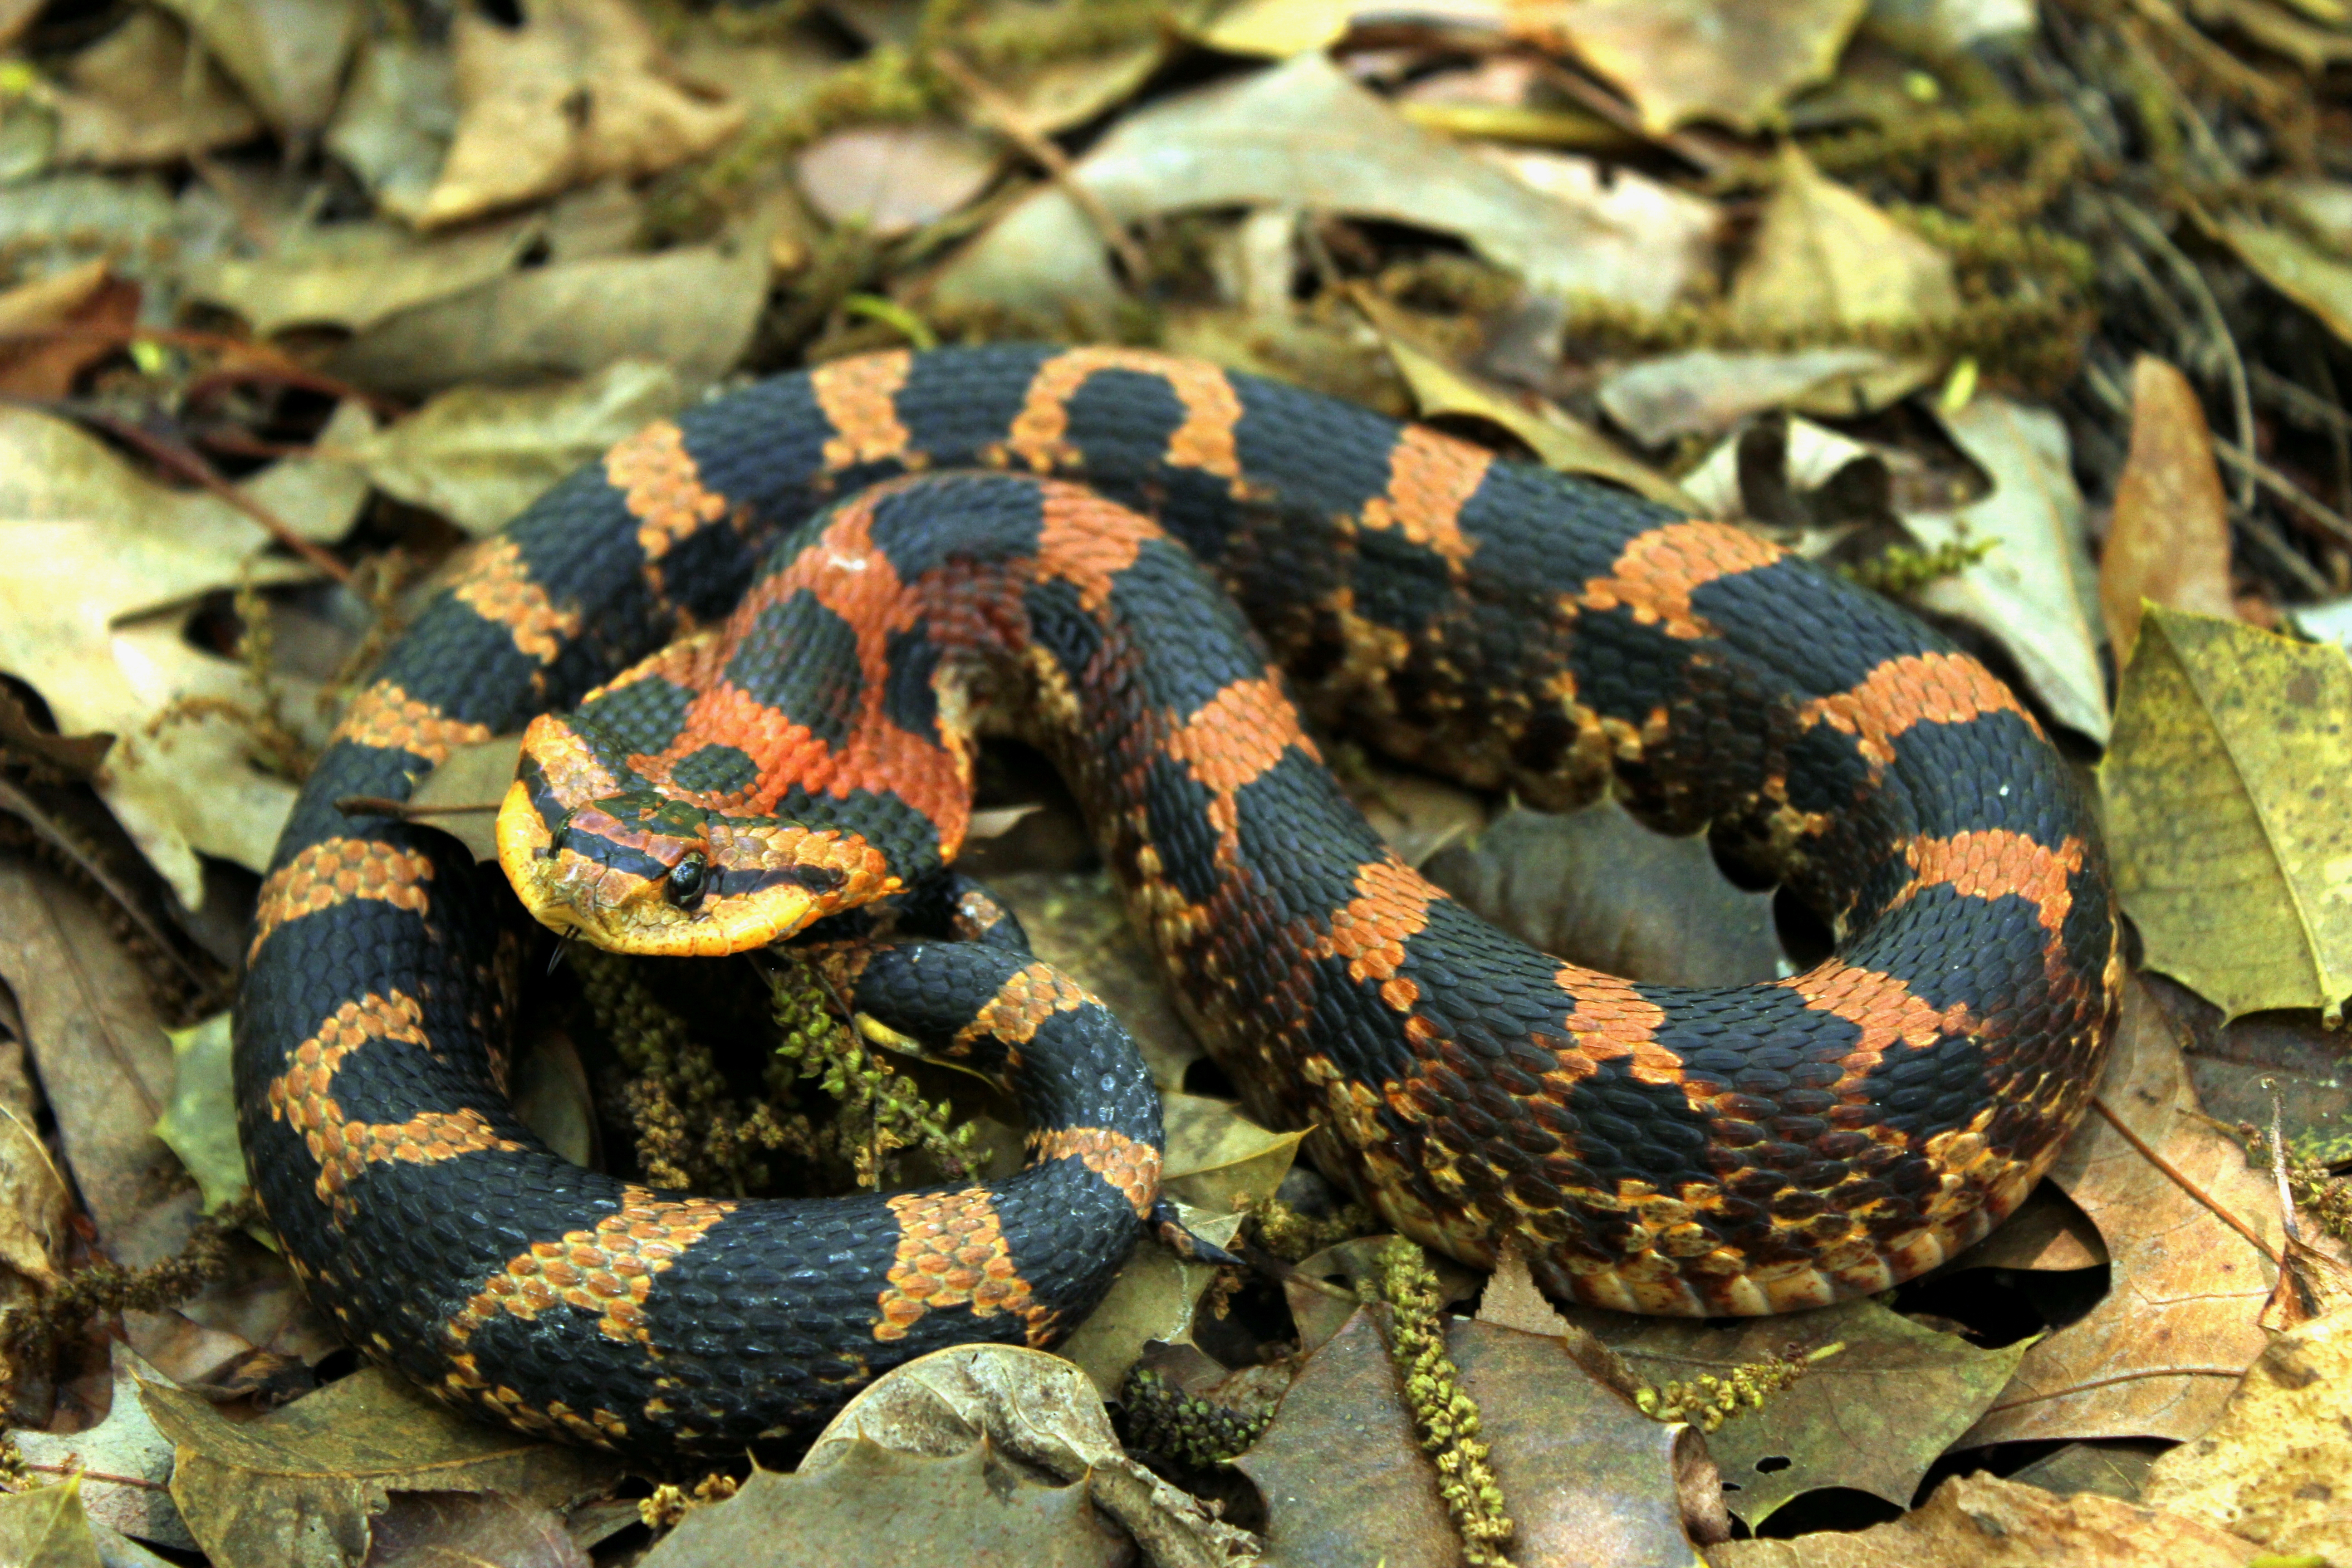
(1706, 392)
(394, 122)
(2161, 1352)
(146, 94)
(102, 1056)
(891, 180)
(2169, 541)
(35, 369)
(2277, 1467)
(353, 274)
(579, 91)
(125, 1462)
(1982, 1521)
(34, 1204)
(1734, 61)
(288, 55)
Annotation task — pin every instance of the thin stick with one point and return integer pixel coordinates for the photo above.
(2184, 1183)
(2298, 500)
(193, 468)
(1007, 121)
(2151, 234)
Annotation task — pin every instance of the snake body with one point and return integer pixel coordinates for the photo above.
(779, 620)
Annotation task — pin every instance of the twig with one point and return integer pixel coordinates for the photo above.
(2184, 1183)
(188, 465)
(2298, 402)
(2151, 234)
(2274, 545)
(39, 823)
(264, 357)
(1008, 122)
(2298, 500)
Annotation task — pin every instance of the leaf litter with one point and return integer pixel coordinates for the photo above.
(1827, 269)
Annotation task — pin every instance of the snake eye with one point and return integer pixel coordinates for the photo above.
(687, 879)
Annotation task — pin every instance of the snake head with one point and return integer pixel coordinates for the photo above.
(638, 872)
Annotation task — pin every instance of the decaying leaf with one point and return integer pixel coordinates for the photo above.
(1585, 1476)
(288, 55)
(2227, 816)
(890, 180)
(200, 1123)
(36, 368)
(2030, 591)
(1872, 1417)
(1982, 1521)
(1300, 135)
(1038, 1411)
(146, 94)
(2319, 282)
(2277, 1467)
(353, 274)
(1648, 242)
(1597, 888)
(579, 91)
(479, 454)
(1219, 1161)
(2160, 1353)
(1704, 392)
(873, 1504)
(2169, 542)
(33, 1203)
(124, 1462)
(1077, 924)
(298, 1486)
(1734, 61)
(45, 1528)
(394, 122)
(460, 1530)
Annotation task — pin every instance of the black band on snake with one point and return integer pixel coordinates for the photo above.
(780, 618)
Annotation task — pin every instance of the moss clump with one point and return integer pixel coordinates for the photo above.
(1901, 570)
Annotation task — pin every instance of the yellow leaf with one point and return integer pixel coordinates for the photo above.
(1826, 258)
(1733, 61)
(2320, 283)
(2228, 812)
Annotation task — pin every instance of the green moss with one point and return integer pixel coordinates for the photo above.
(1902, 570)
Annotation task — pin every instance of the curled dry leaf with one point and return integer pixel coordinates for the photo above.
(124, 1462)
(1598, 888)
(1732, 61)
(34, 1204)
(1649, 242)
(2169, 539)
(353, 274)
(2227, 811)
(2161, 1352)
(1982, 1521)
(297, 1487)
(2275, 1468)
(579, 91)
(891, 180)
(2031, 592)
(76, 295)
(1044, 1412)
(1874, 1416)
(479, 455)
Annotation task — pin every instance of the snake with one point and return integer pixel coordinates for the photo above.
(753, 651)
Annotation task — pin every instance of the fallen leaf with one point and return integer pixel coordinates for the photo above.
(1323, 1289)
(479, 455)
(2048, 1234)
(200, 1123)
(1219, 1161)
(1155, 1297)
(2272, 26)
(1982, 1521)
(1585, 1477)
(579, 90)
(1299, 135)
(2160, 1353)
(1050, 96)
(1808, 471)
(2117, 1468)
(461, 797)
(2169, 542)
(36, 1206)
(1649, 242)
(452, 1529)
(353, 274)
(1706, 392)
(288, 55)
(551, 1096)
(394, 125)
(1826, 260)
(45, 1528)
(1874, 1416)
(2028, 592)
(2226, 811)
(891, 180)
(124, 1462)
(100, 1050)
(2317, 282)
(1596, 887)
(146, 94)
(1551, 433)
(2273, 1469)
(1733, 61)
(873, 1505)
(297, 1487)
(1040, 1411)
(1415, 814)
(34, 369)
(49, 225)
(692, 308)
